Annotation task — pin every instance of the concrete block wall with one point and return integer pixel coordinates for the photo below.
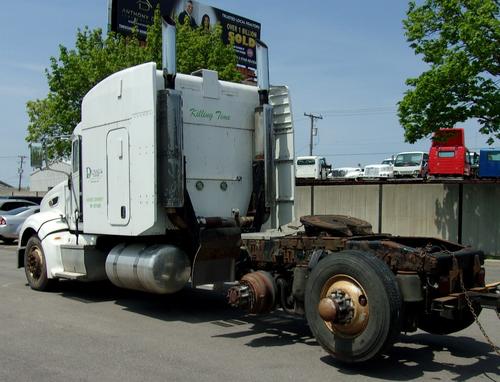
(467, 213)
(302, 201)
(353, 200)
(420, 210)
(481, 217)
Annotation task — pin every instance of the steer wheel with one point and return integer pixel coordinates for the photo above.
(35, 265)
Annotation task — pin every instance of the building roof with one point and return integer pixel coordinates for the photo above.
(4, 185)
(57, 166)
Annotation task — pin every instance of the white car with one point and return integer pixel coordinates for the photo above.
(346, 173)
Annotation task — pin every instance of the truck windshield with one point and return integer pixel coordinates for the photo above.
(446, 154)
(409, 159)
(494, 157)
(303, 162)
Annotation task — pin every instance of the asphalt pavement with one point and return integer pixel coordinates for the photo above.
(96, 332)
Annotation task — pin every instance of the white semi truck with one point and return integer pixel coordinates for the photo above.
(175, 179)
(165, 168)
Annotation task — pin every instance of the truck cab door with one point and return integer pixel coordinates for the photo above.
(118, 168)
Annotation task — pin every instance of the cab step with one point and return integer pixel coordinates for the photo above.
(71, 275)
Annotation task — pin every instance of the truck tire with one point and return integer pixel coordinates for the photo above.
(375, 297)
(35, 265)
(435, 324)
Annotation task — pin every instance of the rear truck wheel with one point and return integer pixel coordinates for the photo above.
(35, 265)
(435, 324)
(353, 305)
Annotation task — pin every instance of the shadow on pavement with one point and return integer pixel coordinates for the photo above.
(418, 354)
(196, 306)
(412, 357)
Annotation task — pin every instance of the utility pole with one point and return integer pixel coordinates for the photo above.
(20, 169)
(313, 117)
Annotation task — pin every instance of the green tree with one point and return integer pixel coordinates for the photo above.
(460, 41)
(96, 56)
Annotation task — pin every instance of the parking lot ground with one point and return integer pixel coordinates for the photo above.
(96, 332)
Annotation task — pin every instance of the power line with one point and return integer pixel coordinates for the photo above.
(354, 113)
(301, 148)
(361, 111)
(351, 109)
(356, 154)
(360, 114)
(360, 142)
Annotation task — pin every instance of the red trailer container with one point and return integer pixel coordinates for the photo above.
(448, 155)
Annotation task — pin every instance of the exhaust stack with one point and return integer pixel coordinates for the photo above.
(168, 37)
(263, 72)
(263, 194)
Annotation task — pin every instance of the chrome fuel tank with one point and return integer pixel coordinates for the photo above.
(151, 268)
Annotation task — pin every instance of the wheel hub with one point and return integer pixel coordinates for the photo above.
(343, 306)
(256, 292)
(35, 263)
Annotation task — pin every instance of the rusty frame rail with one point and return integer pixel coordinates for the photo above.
(488, 297)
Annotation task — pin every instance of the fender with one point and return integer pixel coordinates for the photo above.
(42, 224)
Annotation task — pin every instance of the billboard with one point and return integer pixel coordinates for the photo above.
(125, 15)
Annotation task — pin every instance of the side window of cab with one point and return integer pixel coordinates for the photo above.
(76, 155)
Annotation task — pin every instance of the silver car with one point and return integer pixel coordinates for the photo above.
(10, 204)
(11, 222)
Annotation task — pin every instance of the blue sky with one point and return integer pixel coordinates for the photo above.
(346, 60)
